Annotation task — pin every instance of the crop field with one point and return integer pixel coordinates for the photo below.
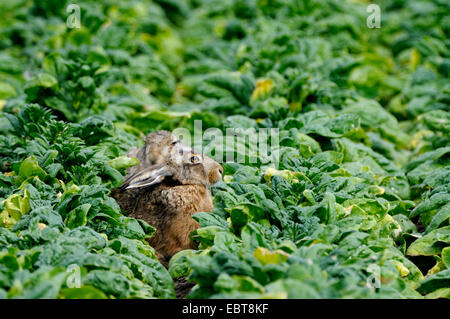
(348, 198)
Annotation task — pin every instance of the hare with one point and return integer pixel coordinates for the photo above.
(157, 146)
(168, 187)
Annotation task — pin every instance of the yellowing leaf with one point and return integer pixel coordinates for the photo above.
(288, 175)
(443, 293)
(262, 89)
(401, 268)
(414, 59)
(266, 256)
(15, 207)
(122, 162)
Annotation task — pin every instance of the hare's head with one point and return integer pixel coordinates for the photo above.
(172, 160)
(158, 146)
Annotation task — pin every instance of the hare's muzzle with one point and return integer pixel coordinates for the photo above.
(215, 173)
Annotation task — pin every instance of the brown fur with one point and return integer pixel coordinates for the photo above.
(167, 191)
(157, 146)
(169, 209)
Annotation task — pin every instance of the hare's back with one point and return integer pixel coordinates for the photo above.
(185, 199)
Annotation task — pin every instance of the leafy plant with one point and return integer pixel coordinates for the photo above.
(356, 207)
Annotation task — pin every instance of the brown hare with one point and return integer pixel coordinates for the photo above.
(157, 146)
(167, 189)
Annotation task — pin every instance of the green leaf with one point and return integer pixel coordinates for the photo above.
(78, 216)
(6, 90)
(446, 257)
(266, 256)
(85, 292)
(442, 293)
(15, 207)
(123, 162)
(246, 283)
(430, 244)
(240, 215)
(442, 215)
(46, 80)
(109, 283)
(30, 167)
(179, 264)
(435, 282)
(330, 207)
(210, 219)
(206, 235)
(437, 120)
(431, 203)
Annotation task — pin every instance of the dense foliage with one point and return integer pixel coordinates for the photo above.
(358, 207)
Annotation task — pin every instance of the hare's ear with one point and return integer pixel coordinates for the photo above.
(150, 176)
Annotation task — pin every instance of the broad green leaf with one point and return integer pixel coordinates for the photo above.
(446, 257)
(435, 282)
(266, 256)
(123, 162)
(46, 80)
(15, 207)
(85, 292)
(442, 293)
(30, 167)
(6, 91)
(431, 203)
(78, 216)
(430, 244)
(441, 216)
(179, 265)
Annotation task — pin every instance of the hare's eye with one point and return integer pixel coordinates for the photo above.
(195, 159)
